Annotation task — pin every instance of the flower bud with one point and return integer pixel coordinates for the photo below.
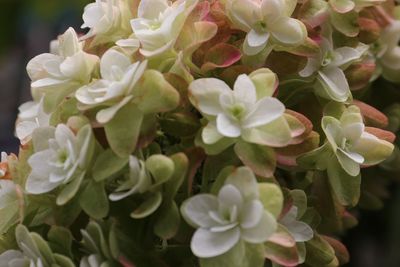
(358, 75)
(369, 30)
(160, 167)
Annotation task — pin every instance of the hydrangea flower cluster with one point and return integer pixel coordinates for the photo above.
(204, 133)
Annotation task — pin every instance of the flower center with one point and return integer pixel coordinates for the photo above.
(260, 26)
(237, 110)
(328, 58)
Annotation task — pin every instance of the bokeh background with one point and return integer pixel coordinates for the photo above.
(27, 27)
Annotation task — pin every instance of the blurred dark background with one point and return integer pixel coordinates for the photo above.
(27, 27)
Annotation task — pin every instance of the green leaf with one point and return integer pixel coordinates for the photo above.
(260, 159)
(45, 251)
(160, 167)
(94, 200)
(300, 201)
(241, 255)
(65, 110)
(60, 240)
(108, 164)
(146, 208)
(70, 190)
(123, 130)
(272, 198)
(220, 180)
(171, 187)
(168, 221)
(319, 252)
(345, 187)
(346, 23)
(63, 261)
(155, 94)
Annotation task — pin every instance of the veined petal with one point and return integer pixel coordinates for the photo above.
(196, 210)
(227, 126)
(151, 9)
(264, 111)
(260, 233)
(272, 10)
(113, 59)
(251, 215)
(335, 83)
(311, 67)
(373, 149)
(244, 180)
(205, 93)
(244, 12)
(348, 163)
(207, 244)
(210, 134)
(244, 90)
(256, 39)
(333, 131)
(289, 31)
(342, 6)
(344, 55)
(230, 196)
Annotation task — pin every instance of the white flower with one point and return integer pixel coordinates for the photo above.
(350, 142)
(389, 52)
(57, 76)
(159, 23)
(60, 158)
(300, 231)
(329, 66)
(107, 19)
(236, 213)
(264, 20)
(138, 180)
(233, 113)
(3, 165)
(344, 6)
(31, 116)
(114, 90)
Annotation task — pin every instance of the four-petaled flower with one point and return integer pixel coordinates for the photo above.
(235, 214)
(264, 20)
(328, 66)
(159, 23)
(235, 113)
(115, 89)
(60, 158)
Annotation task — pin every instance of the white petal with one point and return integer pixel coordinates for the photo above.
(64, 134)
(335, 83)
(251, 214)
(256, 39)
(310, 68)
(105, 115)
(113, 58)
(348, 161)
(264, 111)
(244, 90)
(205, 93)
(253, 50)
(227, 126)
(272, 10)
(210, 134)
(344, 55)
(289, 31)
(207, 244)
(244, 180)
(196, 210)
(262, 231)
(301, 231)
(151, 9)
(230, 196)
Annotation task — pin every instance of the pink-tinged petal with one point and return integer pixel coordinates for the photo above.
(264, 111)
(381, 134)
(221, 56)
(207, 244)
(228, 126)
(244, 90)
(372, 116)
